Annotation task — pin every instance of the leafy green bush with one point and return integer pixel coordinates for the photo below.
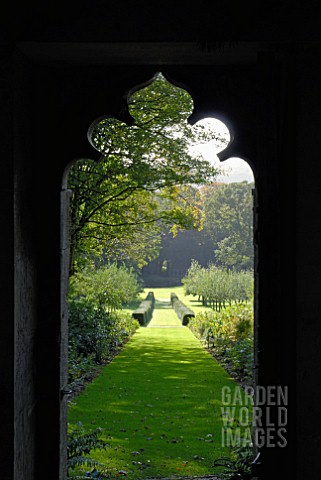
(89, 329)
(109, 287)
(239, 465)
(200, 325)
(95, 335)
(230, 334)
(80, 444)
(97, 326)
(239, 358)
(80, 367)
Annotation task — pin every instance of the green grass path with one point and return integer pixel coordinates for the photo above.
(159, 403)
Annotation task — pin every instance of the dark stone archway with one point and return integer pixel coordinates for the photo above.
(58, 77)
(65, 99)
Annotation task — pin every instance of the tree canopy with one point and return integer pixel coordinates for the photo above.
(143, 180)
(228, 213)
(225, 240)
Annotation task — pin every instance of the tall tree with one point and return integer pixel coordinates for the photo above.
(228, 212)
(120, 203)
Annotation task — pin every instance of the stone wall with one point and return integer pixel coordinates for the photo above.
(268, 94)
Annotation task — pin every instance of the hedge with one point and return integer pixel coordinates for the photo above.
(151, 298)
(144, 312)
(182, 311)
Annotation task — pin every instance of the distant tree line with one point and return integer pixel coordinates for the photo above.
(217, 287)
(225, 240)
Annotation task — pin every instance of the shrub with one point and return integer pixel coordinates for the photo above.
(182, 311)
(80, 444)
(229, 333)
(151, 297)
(144, 312)
(200, 325)
(80, 367)
(97, 326)
(240, 357)
(239, 465)
(95, 335)
(173, 298)
(109, 287)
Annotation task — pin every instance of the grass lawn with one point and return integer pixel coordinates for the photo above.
(158, 402)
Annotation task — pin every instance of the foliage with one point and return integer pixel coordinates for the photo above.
(96, 328)
(218, 287)
(235, 323)
(144, 312)
(239, 357)
(95, 334)
(81, 367)
(229, 333)
(80, 444)
(109, 286)
(226, 237)
(120, 204)
(228, 220)
(239, 465)
(183, 312)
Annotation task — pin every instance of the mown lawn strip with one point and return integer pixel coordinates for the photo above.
(158, 402)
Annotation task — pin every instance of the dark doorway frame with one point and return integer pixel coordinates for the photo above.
(60, 89)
